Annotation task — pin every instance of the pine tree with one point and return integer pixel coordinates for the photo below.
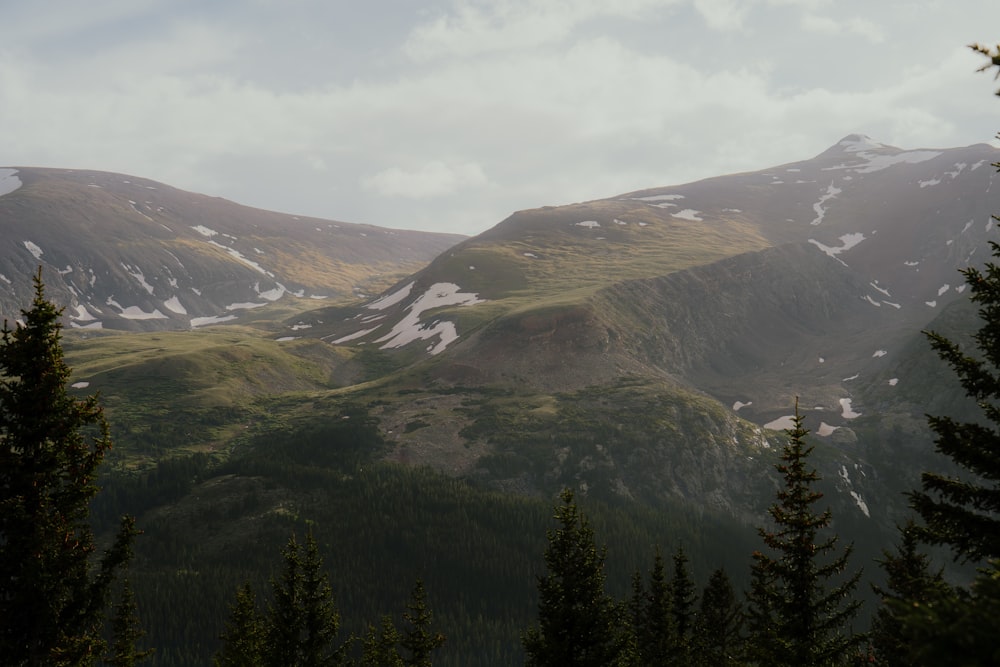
(796, 615)
(302, 622)
(578, 622)
(243, 638)
(717, 638)
(53, 592)
(419, 639)
(910, 584)
(126, 631)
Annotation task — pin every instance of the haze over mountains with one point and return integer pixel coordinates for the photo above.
(637, 345)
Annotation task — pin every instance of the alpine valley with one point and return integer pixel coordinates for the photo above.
(419, 399)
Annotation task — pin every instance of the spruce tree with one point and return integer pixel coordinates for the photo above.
(653, 617)
(379, 646)
(910, 583)
(419, 640)
(717, 639)
(798, 609)
(126, 631)
(302, 622)
(578, 622)
(53, 592)
(683, 598)
(963, 513)
(243, 638)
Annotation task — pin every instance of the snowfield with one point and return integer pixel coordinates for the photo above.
(410, 328)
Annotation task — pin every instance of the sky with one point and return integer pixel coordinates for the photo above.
(449, 115)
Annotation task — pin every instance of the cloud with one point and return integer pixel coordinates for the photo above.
(470, 28)
(723, 15)
(853, 26)
(454, 114)
(433, 179)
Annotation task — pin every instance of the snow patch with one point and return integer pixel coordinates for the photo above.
(689, 214)
(590, 224)
(831, 192)
(848, 241)
(893, 382)
(862, 505)
(82, 314)
(80, 385)
(391, 299)
(884, 291)
(781, 423)
(33, 249)
(880, 162)
(137, 274)
(944, 288)
(932, 304)
(356, 334)
(825, 430)
(879, 353)
(928, 183)
(410, 328)
(205, 231)
(847, 412)
(738, 405)
(8, 181)
(173, 304)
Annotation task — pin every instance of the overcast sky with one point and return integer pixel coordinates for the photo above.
(449, 115)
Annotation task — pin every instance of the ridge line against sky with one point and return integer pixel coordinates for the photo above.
(450, 115)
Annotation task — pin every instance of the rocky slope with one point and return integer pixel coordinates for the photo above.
(127, 253)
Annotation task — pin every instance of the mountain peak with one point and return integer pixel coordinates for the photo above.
(854, 143)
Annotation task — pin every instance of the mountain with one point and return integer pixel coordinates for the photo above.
(122, 252)
(688, 318)
(642, 349)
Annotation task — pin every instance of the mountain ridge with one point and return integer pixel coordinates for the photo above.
(130, 253)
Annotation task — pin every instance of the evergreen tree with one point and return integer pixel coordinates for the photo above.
(964, 513)
(126, 631)
(53, 595)
(243, 638)
(379, 646)
(419, 639)
(578, 622)
(960, 627)
(302, 622)
(717, 639)
(796, 613)
(653, 618)
(909, 584)
(683, 598)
